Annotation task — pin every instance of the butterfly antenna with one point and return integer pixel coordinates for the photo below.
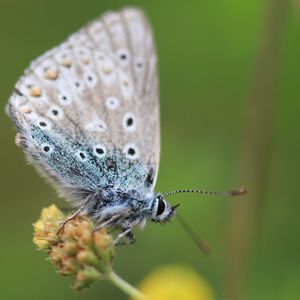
(200, 243)
(236, 192)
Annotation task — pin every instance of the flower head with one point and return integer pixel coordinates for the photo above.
(77, 250)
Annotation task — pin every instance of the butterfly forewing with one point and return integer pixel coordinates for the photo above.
(87, 111)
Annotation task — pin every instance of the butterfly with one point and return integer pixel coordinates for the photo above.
(87, 116)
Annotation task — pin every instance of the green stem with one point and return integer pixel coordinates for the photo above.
(247, 216)
(125, 286)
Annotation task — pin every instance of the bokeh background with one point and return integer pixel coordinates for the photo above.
(229, 73)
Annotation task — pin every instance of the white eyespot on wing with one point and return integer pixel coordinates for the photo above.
(112, 102)
(90, 79)
(99, 150)
(123, 57)
(129, 122)
(44, 123)
(47, 148)
(55, 113)
(78, 84)
(82, 155)
(138, 65)
(131, 151)
(64, 97)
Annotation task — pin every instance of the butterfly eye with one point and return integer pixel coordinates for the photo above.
(161, 207)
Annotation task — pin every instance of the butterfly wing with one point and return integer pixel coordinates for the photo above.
(87, 111)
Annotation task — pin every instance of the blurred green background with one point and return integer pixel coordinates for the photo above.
(212, 72)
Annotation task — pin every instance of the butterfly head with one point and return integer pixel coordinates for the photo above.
(162, 210)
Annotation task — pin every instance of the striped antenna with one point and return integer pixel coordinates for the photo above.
(236, 192)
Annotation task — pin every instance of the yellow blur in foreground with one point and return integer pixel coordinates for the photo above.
(176, 283)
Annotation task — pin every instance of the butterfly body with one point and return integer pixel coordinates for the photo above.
(125, 210)
(87, 116)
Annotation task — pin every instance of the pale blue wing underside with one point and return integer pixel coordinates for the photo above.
(87, 111)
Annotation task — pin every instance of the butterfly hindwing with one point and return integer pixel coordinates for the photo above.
(87, 111)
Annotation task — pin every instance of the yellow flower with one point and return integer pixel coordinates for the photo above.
(176, 283)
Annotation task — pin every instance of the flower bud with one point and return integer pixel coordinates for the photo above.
(69, 266)
(104, 245)
(87, 257)
(70, 248)
(45, 229)
(86, 277)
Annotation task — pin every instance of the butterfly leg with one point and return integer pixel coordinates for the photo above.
(108, 222)
(73, 216)
(126, 233)
(62, 226)
(130, 239)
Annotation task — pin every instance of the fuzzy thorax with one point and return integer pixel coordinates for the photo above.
(112, 208)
